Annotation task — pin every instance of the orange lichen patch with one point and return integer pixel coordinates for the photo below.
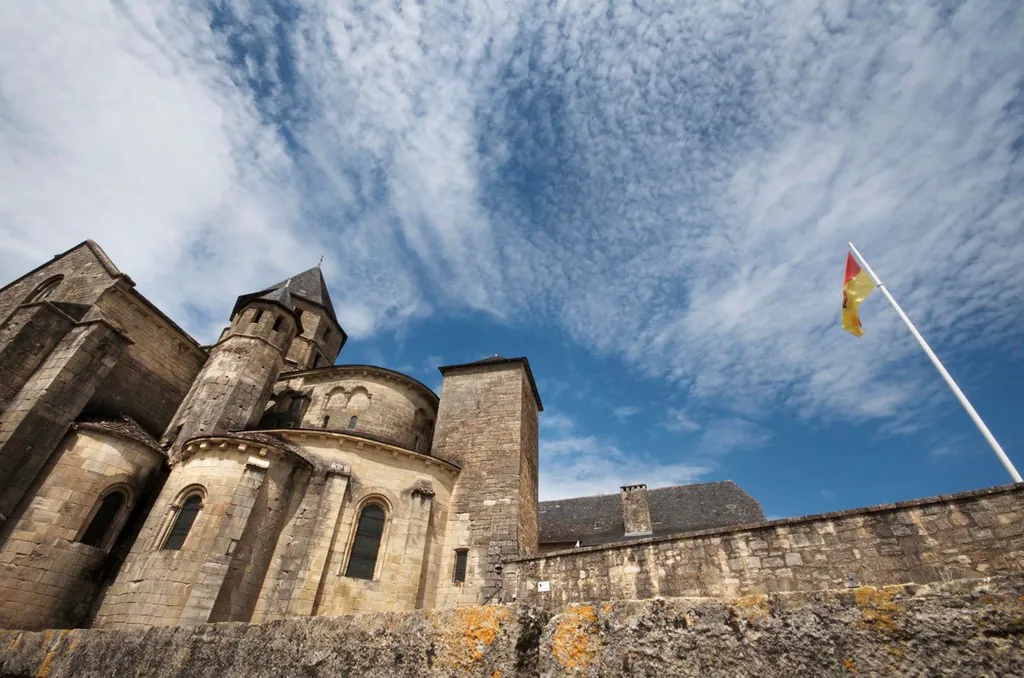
(877, 607)
(15, 642)
(575, 643)
(752, 607)
(51, 654)
(468, 634)
(850, 665)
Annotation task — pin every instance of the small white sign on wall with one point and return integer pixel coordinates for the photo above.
(543, 586)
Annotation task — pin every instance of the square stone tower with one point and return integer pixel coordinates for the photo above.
(487, 424)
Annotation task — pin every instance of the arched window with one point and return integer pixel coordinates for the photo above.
(327, 420)
(352, 421)
(365, 546)
(45, 290)
(108, 511)
(183, 522)
(257, 314)
(461, 556)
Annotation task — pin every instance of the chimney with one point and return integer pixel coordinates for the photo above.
(635, 514)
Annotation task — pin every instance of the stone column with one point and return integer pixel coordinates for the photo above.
(314, 564)
(211, 577)
(417, 543)
(49, 402)
(26, 338)
(301, 555)
(635, 514)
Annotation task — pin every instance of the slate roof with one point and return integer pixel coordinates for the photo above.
(501, 360)
(308, 285)
(123, 427)
(674, 510)
(311, 286)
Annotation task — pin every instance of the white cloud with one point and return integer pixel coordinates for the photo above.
(626, 411)
(679, 421)
(574, 465)
(675, 188)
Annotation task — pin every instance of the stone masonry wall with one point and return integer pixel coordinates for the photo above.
(529, 437)
(234, 386)
(966, 628)
(970, 535)
(480, 427)
(384, 406)
(85, 279)
(47, 578)
(310, 342)
(27, 337)
(152, 378)
(37, 418)
(154, 585)
(307, 575)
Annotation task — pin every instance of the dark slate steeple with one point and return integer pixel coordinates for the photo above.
(308, 285)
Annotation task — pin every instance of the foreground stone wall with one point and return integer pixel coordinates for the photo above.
(968, 535)
(960, 629)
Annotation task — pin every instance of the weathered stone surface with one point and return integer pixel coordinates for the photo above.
(971, 534)
(487, 424)
(957, 629)
(361, 399)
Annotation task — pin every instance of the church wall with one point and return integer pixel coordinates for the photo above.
(383, 406)
(969, 535)
(154, 585)
(311, 340)
(481, 428)
(47, 578)
(414, 490)
(85, 279)
(232, 389)
(528, 471)
(157, 370)
(27, 337)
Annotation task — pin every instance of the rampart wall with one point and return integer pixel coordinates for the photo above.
(967, 628)
(962, 536)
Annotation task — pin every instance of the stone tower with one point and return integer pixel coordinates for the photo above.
(319, 337)
(234, 386)
(487, 424)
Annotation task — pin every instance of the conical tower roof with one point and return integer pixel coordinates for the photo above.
(309, 286)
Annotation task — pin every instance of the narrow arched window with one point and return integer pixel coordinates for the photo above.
(352, 421)
(277, 323)
(103, 519)
(257, 315)
(365, 546)
(183, 522)
(46, 290)
(327, 420)
(461, 556)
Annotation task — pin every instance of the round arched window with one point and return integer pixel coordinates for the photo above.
(46, 290)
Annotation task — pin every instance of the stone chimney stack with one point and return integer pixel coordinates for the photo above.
(635, 514)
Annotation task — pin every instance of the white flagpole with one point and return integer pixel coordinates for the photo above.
(942, 370)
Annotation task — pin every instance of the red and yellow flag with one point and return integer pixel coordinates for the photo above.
(857, 285)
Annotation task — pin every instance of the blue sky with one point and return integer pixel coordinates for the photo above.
(650, 202)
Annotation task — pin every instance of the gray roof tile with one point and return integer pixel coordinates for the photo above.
(674, 510)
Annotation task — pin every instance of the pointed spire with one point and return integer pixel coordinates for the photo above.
(309, 286)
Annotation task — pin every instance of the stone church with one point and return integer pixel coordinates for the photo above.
(148, 480)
